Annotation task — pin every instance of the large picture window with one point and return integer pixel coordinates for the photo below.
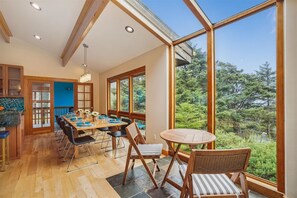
(238, 81)
(127, 96)
(246, 90)
(139, 94)
(124, 95)
(113, 95)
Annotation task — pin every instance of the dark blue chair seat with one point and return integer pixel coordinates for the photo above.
(118, 134)
(84, 140)
(104, 129)
(4, 134)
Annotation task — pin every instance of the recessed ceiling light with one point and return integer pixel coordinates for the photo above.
(129, 29)
(35, 5)
(37, 37)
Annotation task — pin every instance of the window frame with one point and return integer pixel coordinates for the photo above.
(209, 29)
(127, 75)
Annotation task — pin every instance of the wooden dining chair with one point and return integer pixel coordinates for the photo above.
(205, 174)
(139, 149)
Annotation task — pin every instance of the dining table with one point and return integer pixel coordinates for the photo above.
(175, 138)
(91, 124)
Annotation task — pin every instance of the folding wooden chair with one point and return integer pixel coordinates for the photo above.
(139, 149)
(205, 175)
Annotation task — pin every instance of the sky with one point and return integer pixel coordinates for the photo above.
(247, 43)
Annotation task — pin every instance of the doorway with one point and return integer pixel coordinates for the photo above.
(41, 106)
(63, 97)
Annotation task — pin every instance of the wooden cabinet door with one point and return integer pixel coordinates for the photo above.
(83, 96)
(14, 81)
(11, 81)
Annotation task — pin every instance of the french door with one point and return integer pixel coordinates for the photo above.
(41, 109)
(83, 96)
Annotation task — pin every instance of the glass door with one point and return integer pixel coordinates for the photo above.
(42, 114)
(84, 96)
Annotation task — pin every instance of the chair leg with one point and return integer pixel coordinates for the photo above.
(133, 162)
(149, 172)
(155, 162)
(126, 167)
(70, 162)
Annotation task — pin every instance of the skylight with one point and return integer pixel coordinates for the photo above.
(172, 17)
(217, 10)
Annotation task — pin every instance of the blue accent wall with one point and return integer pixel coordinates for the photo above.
(64, 95)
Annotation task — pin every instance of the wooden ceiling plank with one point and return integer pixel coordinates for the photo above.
(87, 18)
(4, 29)
(198, 12)
(245, 13)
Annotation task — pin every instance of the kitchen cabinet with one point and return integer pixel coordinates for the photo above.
(11, 81)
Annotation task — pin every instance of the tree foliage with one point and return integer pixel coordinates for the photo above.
(245, 108)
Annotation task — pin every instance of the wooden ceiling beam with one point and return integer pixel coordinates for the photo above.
(246, 13)
(4, 29)
(87, 18)
(198, 12)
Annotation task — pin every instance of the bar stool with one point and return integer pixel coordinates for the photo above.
(5, 148)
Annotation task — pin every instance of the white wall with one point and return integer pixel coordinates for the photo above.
(291, 97)
(156, 71)
(39, 62)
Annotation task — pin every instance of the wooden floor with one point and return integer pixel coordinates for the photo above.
(41, 173)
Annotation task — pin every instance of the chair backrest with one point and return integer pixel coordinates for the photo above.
(62, 126)
(113, 117)
(69, 133)
(219, 161)
(128, 121)
(134, 135)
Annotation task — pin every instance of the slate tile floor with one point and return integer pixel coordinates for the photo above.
(138, 183)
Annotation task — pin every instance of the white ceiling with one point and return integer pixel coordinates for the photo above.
(109, 43)
(53, 23)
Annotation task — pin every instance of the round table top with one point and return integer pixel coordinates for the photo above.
(187, 136)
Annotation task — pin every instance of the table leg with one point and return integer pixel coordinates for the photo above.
(113, 139)
(175, 156)
(76, 153)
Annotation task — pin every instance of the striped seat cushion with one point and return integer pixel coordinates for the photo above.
(211, 184)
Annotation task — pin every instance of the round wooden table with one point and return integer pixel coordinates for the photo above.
(190, 137)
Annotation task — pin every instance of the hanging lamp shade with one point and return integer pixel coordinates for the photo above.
(86, 76)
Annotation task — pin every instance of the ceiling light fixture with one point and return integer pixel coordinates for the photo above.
(129, 29)
(35, 6)
(86, 75)
(37, 37)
